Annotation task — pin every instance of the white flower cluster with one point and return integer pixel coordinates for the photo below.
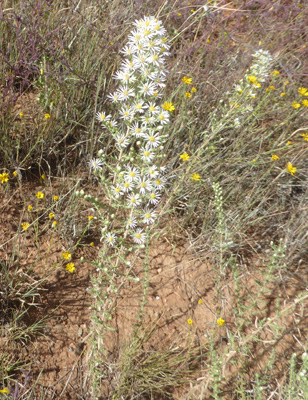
(260, 68)
(137, 180)
(257, 73)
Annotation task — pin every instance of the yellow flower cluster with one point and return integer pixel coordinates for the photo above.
(188, 81)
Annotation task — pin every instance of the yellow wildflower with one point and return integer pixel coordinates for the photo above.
(189, 321)
(303, 91)
(200, 301)
(47, 116)
(193, 89)
(305, 136)
(66, 255)
(168, 106)
(51, 215)
(179, 14)
(257, 84)
(305, 103)
(15, 173)
(4, 177)
(92, 244)
(5, 390)
(30, 207)
(296, 105)
(185, 157)
(252, 78)
(43, 176)
(55, 198)
(70, 267)
(291, 169)
(54, 224)
(274, 157)
(90, 217)
(39, 195)
(187, 94)
(195, 177)
(282, 94)
(21, 114)
(221, 322)
(289, 142)
(186, 80)
(275, 72)
(272, 87)
(25, 225)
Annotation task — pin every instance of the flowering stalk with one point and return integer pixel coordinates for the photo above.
(130, 170)
(135, 179)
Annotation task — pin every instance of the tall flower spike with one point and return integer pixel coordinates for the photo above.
(140, 129)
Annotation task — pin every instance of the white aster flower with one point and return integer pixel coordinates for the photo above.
(140, 60)
(144, 185)
(139, 106)
(148, 120)
(127, 50)
(147, 89)
(127, 113)
(121, 141)
(159, 183)
(133, 199)
(135, 130)
(152, 140)
(153, 108)
(158, 79)
(96, 164)
(125, 76)
(145, 71)
(146, 154)
(117, 191)
(237, 122)
(114, 97)
(128, 186)
(139, 236)
(112, 123)
(131, 222)
(155, 59)
(128, 66)
(135, 37)
(154, 197)
(152, 171)
(149, 217)
(125, 93)
(163, 117)
(111, 239)
(153, 45)
(132, 174)
(102, 117)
